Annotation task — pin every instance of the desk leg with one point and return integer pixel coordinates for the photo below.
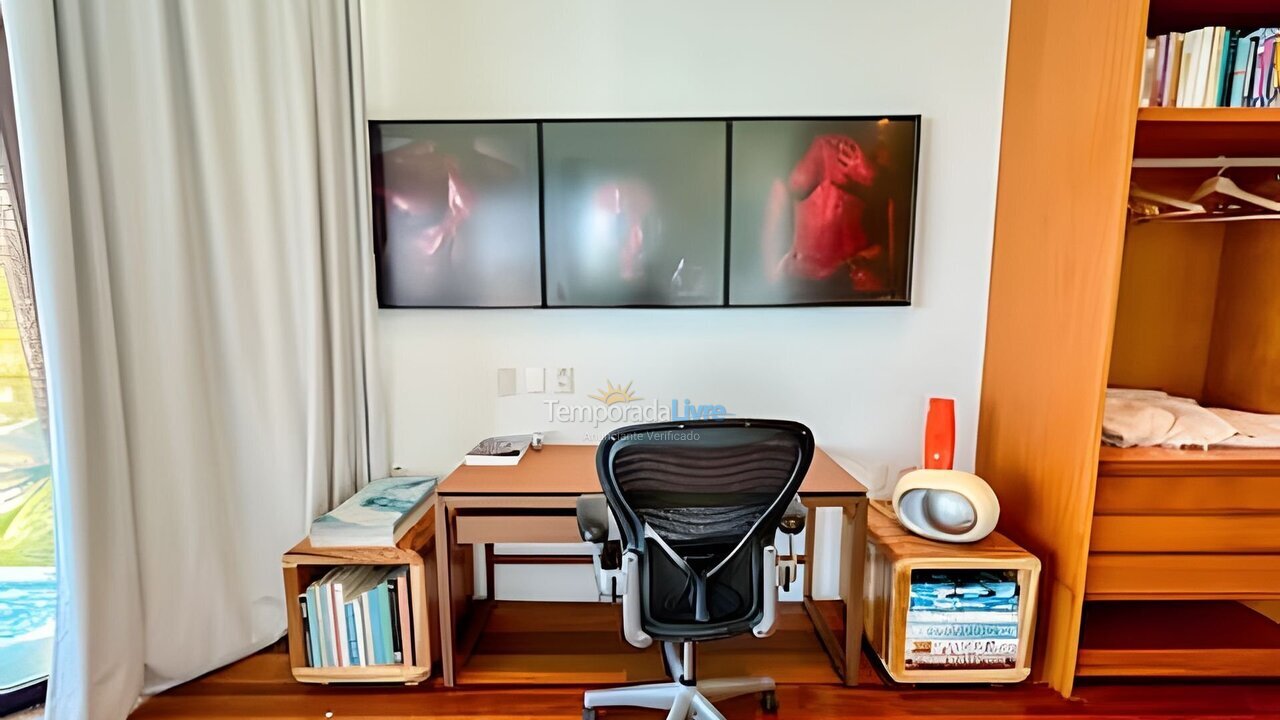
(845, 652)
(444, 568)
(853, 548)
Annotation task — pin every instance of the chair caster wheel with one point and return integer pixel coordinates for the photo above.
(588, 714)
(769, 701)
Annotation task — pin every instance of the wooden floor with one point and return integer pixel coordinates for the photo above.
(547, 638)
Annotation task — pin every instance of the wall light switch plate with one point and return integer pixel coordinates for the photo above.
(564, 380)
(535, 380)
(506, 381)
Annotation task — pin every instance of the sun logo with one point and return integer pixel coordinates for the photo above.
(612, 394)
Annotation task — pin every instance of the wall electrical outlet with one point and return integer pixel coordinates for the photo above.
(535, 380)
(564, 380)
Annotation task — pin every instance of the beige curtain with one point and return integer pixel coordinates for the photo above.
(196, 209)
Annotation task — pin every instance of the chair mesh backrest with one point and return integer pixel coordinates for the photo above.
(700, 501)
(698, 490)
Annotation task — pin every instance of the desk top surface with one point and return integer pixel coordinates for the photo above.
(571, 470)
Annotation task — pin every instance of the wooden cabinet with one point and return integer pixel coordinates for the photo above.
(1135, 543)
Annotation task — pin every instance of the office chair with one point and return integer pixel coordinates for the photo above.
(697, 505)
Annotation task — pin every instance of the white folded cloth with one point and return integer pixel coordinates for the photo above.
(1254, 430)
(1154, 418)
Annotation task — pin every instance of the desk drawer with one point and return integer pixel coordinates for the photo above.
(516, 528)
(1182, 576)
(1198, 494)
(1245, 533)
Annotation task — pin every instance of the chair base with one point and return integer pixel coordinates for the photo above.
(681, 701)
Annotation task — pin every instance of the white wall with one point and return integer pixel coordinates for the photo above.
(858, 376)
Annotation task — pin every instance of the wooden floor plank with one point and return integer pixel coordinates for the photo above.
(261, 686)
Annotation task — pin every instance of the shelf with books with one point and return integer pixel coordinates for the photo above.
(1169, 132)
(304, 565)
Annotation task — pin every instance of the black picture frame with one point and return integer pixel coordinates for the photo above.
(903, 270)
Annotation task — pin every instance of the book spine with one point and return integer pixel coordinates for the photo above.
(393, 605)
(385, 637)
(1225, 70)
(353, 635)
(1251, 72)
(1186, 78)
(406, 619)
(339, 625)
(373, 628)
(1148, 73)
(319, 625)
(307, 635)
(1162, 70)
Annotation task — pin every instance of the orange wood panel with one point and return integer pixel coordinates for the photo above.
(1149, 575)
(1186, 533)
(571, 470)
(1164, 319)
(1244, 363)
(1071, 88)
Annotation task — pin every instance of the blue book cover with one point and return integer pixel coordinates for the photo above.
(387, 639)
(353, 646)
(371, 600)
(316, 622)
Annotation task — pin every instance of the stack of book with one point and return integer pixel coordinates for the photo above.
(358, 616)
(1212, 67)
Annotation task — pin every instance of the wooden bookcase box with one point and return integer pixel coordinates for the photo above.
(893, 553)
(304, 564)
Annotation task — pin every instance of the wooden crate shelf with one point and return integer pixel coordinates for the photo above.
(303, 564)
(1178, 639)
(894, 552)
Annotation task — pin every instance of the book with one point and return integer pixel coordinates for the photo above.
(1186, 82)
(1161, 72)
(382, 620)
(317, 624)
(377, 515)
(1174, 81)
(353, 635)
(306, 631)
(1148, 73)
(1239, 71)
(1215, 65)
(404, 616)
(1225, 68)
(501, 450)
(342, 647)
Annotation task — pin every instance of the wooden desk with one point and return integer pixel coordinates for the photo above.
(533, 502)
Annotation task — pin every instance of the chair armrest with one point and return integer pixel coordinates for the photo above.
(769, 611)
(793, 519)
(593, 518)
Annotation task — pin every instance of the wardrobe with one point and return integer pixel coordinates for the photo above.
(1156, 562)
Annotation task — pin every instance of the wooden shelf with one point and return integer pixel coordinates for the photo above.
(1207, 132)
(1178, 639)
(303, 564)
(1167, 461)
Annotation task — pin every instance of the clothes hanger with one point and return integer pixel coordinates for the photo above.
(1225, 193)
(1148, 206)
